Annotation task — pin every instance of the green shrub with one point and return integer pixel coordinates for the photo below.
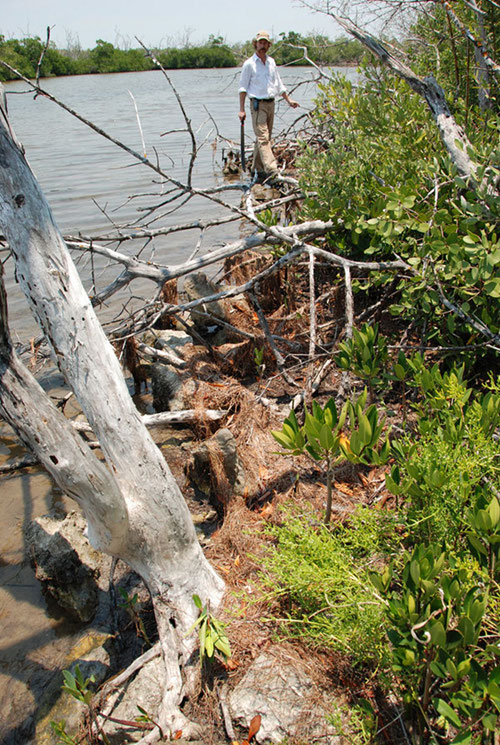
(397, 194)
(445, 662)
(198, 57)
(365, 354)
(453, 463)
(320, 577)
(323, 439)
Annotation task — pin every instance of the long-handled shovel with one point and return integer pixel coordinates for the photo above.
(242, 146)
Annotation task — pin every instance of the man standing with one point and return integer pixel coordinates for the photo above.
(261, 81)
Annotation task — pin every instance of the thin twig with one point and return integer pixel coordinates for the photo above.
(42, 55)
(139, 124)
(189, 128)
(474, 322)
(312, 307)
(267, 333)
(349, 302)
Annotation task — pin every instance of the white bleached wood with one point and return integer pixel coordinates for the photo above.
(52, 438)
(134, 267)
(154, 533)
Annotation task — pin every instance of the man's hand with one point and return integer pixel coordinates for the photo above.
(290, 101)
(242, 115)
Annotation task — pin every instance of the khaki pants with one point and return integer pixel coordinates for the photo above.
(262, 121)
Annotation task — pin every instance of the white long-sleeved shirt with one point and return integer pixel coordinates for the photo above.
(259, 80)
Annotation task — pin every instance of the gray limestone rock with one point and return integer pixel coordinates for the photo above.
(172, 339)
(171, 388)
(198, 286)
(172, 391)
(217, 460)
(65, 562)
(284, 697)
(166, 384)
(145, 690)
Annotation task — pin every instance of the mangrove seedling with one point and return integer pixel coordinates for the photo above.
(79, 687)
(258, 357)
(365, 354)
(144, 718)
(59, 729)
(211, 633)
(130, 605)
(322, 438)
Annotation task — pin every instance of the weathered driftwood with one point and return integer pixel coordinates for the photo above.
(312, 307)
(187, 416)
(135, 508)
(134, 267)
(349, 301)
(162, 418)
(56, 444)
(164, 355)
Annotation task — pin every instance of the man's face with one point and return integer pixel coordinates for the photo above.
(262, 46)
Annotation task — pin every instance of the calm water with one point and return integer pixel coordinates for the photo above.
(82, 175)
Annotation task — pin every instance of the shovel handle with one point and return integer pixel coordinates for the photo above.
(242, 146)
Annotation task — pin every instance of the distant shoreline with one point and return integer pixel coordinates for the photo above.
(32, 59)
(177, 69)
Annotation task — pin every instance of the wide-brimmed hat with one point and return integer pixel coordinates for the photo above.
(262, 35)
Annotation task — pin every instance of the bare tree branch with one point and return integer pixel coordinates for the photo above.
(453, 136)
(267, 333)
(194, 148)
(312, 307)
(42, 55)
(478, 45)
(134, 267)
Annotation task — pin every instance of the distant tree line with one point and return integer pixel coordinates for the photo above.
(289, 49)
(24, 55)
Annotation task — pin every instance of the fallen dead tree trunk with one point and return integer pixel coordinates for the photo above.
(187, 416)
(134, 507)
